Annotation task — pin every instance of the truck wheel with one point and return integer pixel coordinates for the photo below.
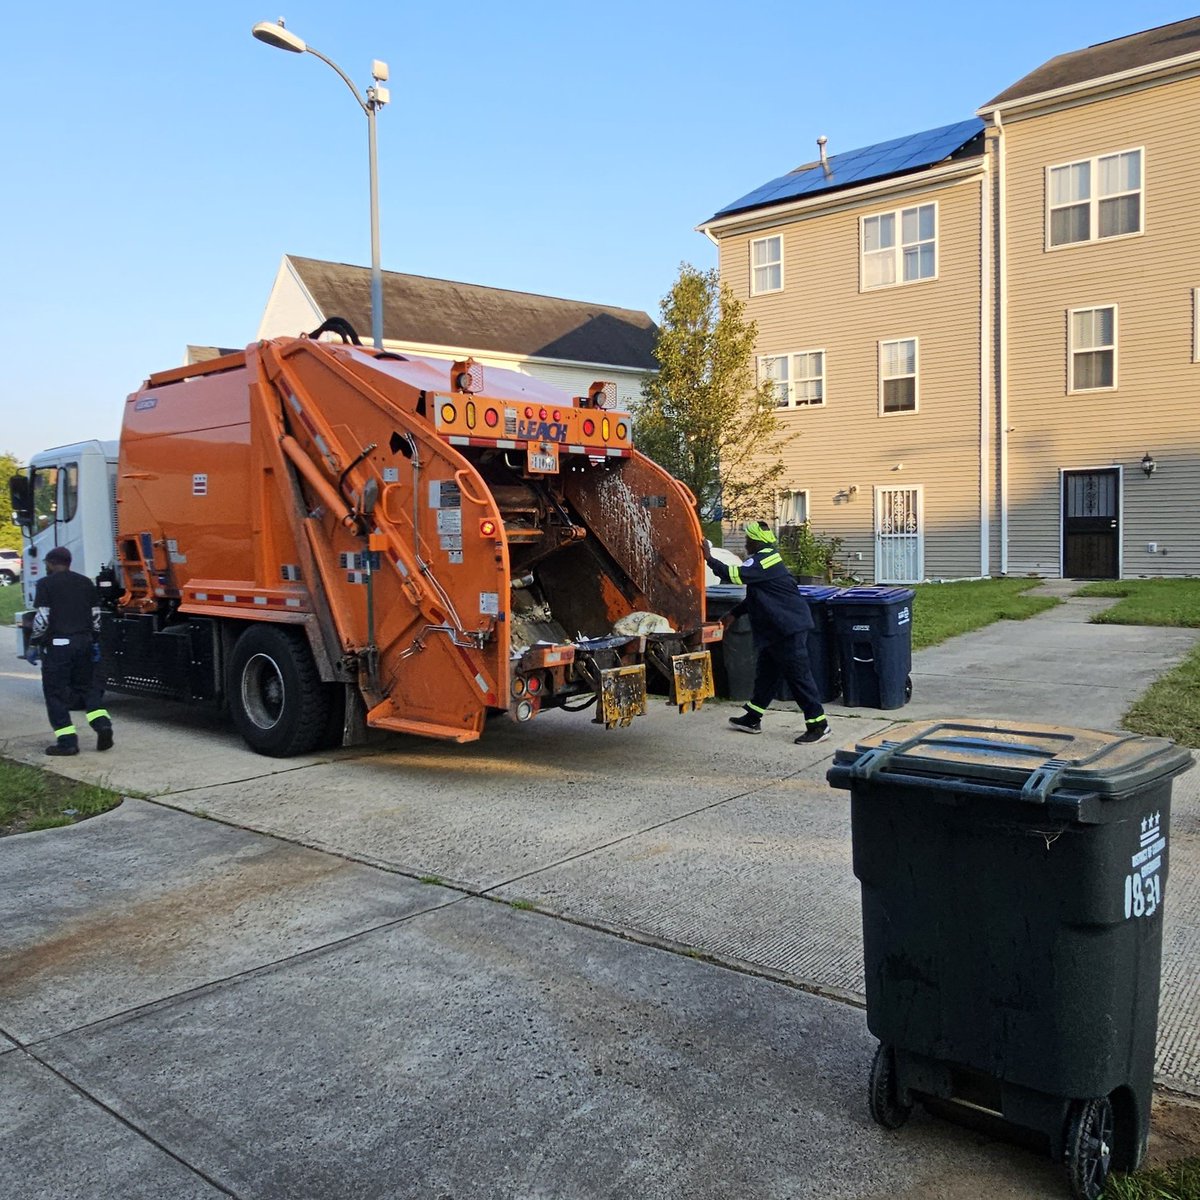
(278, 702)
(883, 1097)
(1089, 1146)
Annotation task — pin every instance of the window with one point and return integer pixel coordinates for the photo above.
(799, 378)
(766, 265)
(70, 496)
(898, 375)
(887, 259)
(1093, 351)
(793, 508)
(1095, 198)
(45, 496)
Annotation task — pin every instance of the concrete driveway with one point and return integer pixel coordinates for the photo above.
(270, 1003)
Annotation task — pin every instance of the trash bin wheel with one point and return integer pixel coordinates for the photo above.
(1089, 1146)
(907, 688)
(884, 1100)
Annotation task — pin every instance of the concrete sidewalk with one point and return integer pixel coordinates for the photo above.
(293, 1015)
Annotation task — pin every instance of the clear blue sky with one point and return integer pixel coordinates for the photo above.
(158, 161)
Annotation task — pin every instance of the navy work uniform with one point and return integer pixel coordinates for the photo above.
(66, 627)
(780, 620)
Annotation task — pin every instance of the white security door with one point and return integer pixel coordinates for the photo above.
(899, 536)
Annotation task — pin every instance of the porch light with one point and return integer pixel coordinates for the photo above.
(1148, 464)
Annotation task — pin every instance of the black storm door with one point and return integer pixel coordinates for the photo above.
(1091, 524)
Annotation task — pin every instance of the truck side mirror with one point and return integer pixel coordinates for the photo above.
(22, 500)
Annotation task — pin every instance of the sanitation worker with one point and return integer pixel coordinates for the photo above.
(66, 626)
(779, 620)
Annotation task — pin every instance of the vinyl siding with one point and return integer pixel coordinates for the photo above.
(1149, 278)
(847, 441)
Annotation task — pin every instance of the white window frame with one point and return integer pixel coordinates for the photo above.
(789, 380)
(897, 247)
(1072, 349)
(786, 500)
(916, 376)
(757, 291)
(1094, 199)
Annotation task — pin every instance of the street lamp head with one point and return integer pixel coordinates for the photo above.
(279, 37)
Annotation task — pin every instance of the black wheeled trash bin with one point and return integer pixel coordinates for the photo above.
(874, 639)
(733, 655)
(822, 641)
(1013, 881)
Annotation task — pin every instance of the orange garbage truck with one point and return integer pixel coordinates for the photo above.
(326, 538)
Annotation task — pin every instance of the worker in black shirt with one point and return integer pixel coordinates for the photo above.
(779, 620)
(66, 626)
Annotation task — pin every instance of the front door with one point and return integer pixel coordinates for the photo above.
(1091, 524)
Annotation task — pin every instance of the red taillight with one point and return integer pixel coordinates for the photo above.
(528, 413)
(541, 414)
(589, 427)
(487, 527)
(557, 415)
(534, 684)
(491, 418)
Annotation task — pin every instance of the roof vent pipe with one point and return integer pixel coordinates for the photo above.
(824, 159)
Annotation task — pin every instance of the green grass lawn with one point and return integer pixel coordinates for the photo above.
(1170, 707)
(1148, 602)
(32, 798)
(1179, 1181)
(943, 610)
(10, 603)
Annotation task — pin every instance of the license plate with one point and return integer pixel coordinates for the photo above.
(545, 464)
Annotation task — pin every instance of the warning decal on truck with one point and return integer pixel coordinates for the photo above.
(1143, 885)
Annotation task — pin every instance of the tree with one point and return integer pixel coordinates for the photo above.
(10, 535)
(703, 417)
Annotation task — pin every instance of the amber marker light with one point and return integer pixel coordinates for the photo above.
(449, 413)
(487, 527)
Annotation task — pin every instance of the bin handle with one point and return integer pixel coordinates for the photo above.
(966, 787)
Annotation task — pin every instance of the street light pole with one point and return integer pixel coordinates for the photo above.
(284, 39)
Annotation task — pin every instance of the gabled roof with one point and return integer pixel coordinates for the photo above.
(438, 312)
(1143, 49)
(900, 156)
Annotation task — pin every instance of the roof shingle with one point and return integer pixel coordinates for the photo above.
(440, 312)
(1106, 58)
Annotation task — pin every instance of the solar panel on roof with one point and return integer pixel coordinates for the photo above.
(857, 166)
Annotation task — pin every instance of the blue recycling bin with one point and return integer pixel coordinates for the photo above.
(874, 645)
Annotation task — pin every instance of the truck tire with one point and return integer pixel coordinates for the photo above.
(277, 699)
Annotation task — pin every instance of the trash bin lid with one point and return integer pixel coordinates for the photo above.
(873, 595)
(1032, 761)
(816, 591)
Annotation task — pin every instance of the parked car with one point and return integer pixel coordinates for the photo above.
(10, 567)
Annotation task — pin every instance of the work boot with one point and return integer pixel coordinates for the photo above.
(817, 731)
(100, 721)
(748, 722)
(64, 747)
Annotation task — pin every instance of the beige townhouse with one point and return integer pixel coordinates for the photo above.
(865, 274)
(983, 336)
(1097, 357)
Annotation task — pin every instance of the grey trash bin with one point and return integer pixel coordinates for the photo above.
(1013, 881)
